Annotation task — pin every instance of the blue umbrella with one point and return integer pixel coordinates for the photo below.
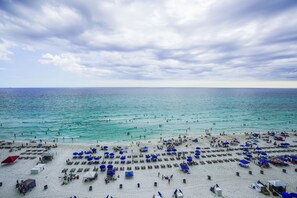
(109, 166)
(111, 155)
(75, 153)
(105, 147)
(106, 153)
(121, 152)
(102, 166)
(249, 155)
(258, 148)
(174, 150)
(154, 157)
(81, 153)
(147, 156)
(94, 150)
(123, 157)
(90, 158)
(97, 158)
(87, 152)
(263, 153)
(197, 148)
(189, 159)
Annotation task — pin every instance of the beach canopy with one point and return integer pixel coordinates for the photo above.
(129, 174)
(110, 172)
(90, 175)
(29, 184)
(184, 166)
(282, 158)
(244, 161)
(10, 159)
(277, 183)
(293, 157)
(262, 160)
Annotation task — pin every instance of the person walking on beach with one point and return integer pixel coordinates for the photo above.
(169, 181)
(158, 174)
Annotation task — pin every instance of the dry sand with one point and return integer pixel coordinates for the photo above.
(197, 184)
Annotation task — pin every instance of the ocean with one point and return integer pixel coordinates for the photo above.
(123, 114)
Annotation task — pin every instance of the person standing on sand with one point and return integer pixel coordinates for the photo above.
(158, 174)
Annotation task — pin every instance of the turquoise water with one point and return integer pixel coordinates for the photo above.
(112, 114)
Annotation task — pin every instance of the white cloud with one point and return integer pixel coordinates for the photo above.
(168, 40)
(4, 50)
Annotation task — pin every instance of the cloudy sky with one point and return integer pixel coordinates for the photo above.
(148, 43)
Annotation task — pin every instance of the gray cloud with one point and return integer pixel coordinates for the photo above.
(148, 40)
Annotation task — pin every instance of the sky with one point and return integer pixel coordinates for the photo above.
(148, 43)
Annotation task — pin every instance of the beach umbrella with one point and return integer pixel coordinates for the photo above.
(87, 152)
(249, 155)
(121, 152)
(189, 159)
(258, 148)
(97, 158)
(94, 150)
(111, 155)
(105, 147)
(102, 166)
(106, 153)
(263, 153)
(197, 148)
(154, 156)
(109, 166)
(123, 158)
(174, 150)
(147, 156)
(75, 153)
(81, 153)
(197, 155)
(90, 158)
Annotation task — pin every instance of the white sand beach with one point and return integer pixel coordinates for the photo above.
(197, 183)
